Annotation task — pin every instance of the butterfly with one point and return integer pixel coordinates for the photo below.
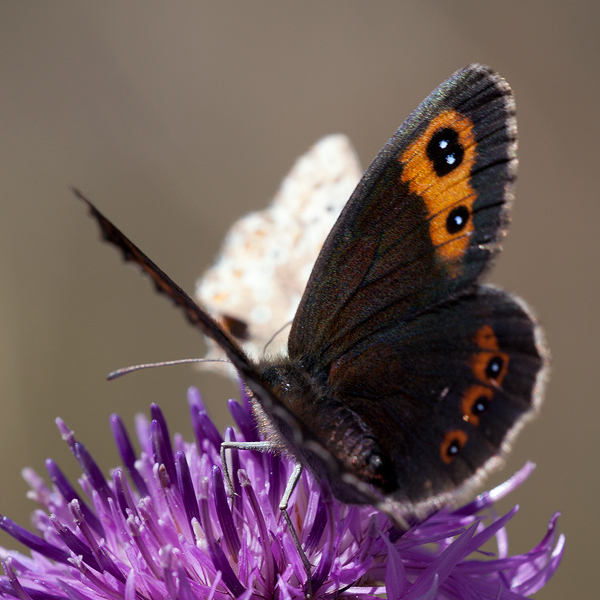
(406, 379)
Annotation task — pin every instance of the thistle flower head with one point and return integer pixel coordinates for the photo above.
(164, 527)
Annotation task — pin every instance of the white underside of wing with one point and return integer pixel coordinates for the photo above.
(267, 256)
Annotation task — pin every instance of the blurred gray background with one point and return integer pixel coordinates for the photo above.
(177, 118)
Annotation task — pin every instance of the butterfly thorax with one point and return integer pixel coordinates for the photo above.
(329, 424)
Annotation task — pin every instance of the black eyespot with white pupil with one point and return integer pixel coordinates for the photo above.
(494, 367)
(457, 219)
(445, 151)
(453, 448)
(454, 441)
(480, 406)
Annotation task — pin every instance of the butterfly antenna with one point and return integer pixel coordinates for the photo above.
(275, 335)
(125, 370)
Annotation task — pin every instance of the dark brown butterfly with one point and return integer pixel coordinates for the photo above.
(407, 379)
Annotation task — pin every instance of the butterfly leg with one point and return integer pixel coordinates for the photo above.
(283, 505)
(260, 446)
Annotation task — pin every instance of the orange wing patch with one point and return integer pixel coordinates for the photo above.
(437, 167)
(453, 443)
(474, 402)
(489, 365)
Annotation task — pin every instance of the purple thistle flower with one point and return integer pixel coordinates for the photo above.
(170, 531)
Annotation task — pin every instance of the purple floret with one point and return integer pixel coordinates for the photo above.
(171, 531)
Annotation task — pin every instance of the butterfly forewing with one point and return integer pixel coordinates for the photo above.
(422, 223)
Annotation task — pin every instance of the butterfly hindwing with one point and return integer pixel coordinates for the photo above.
(423, 222)
(445, 396)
